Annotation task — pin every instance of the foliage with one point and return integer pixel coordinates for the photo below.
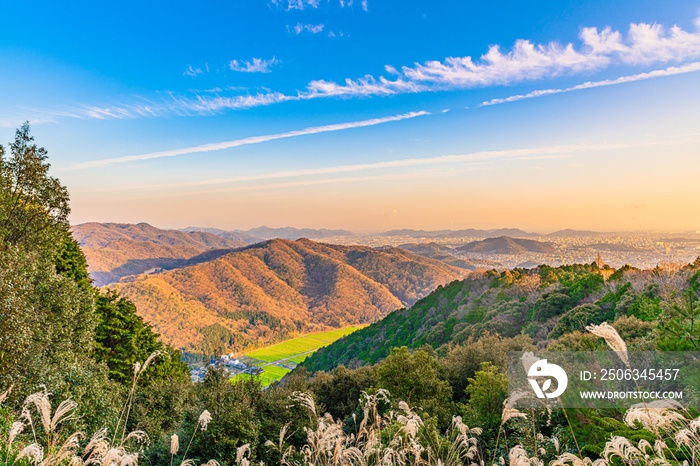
(33, 205)
(487, 391)
(680, 321)
(414, 378)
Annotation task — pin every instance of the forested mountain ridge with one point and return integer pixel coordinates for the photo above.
(507, 245)
(545, 303)
(116, 250)
(271, 290)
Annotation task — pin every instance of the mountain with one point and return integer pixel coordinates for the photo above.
(507, 245)
(271, 290)
(544, 303)
(417, 233)
(233, 235)
(569, 233)
(512, 232)
(445, 254)
(468, 233)
(295, 233)
(116, 250)
(255, 235)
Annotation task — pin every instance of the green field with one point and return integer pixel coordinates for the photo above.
(290, 352)
(270, 374)
(295, 347)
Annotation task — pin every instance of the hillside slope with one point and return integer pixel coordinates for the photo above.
(544, 302)
(116, 250)
(268, 291)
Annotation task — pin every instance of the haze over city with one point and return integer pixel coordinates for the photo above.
(362, 115)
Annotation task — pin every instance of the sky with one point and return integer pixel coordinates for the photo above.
(367, 115)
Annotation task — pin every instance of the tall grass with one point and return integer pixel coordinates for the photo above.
(379, 437)
(37, 436)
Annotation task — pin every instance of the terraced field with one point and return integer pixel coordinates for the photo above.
(278, 360)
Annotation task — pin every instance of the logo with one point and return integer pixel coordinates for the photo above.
(542, 369)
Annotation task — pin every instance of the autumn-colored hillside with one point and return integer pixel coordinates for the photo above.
(272, 290)
(116, 250)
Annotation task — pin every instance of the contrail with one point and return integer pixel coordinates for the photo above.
(246, 141)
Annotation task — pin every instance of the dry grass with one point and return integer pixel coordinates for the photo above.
(380, 438)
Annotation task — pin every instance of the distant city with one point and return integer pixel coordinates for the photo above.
(642, 249)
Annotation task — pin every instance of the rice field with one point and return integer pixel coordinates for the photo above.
(294, 348)
(270, 374)
(276, 361)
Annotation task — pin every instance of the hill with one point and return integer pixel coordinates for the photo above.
(507, 245)
(468, 233)
(445, 254)
(116, 250)
(569, 233)
(234, 235)
(545, 303)
(290, 233)
(272, 290)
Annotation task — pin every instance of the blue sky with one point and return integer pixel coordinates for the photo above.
(365, 115)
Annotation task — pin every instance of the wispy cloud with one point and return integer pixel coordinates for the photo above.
(295, 4)
(423, 163)
(247, 141)
(192, 71)
(256, 65)
(171, 104)
(312, 28)
(350, 3)
(643, 45)
(671, 71)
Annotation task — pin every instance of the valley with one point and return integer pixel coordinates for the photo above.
(272, 363)
(210, 291)
(209, 299)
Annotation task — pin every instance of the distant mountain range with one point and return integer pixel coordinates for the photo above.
(469, 233)
(116, 250)
(262, 233)
(446, 255)
(568, 233)
(268, 291)
(233, 234)
(507, 245)
(296, 233)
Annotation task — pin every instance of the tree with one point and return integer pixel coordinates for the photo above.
(487, 391)
(33, 205)
(413, 378)
(679, 328)
(122, 337)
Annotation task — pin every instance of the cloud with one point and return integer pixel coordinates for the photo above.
(477, 158)
(288, 5)
(256, 65)
(191, 71)
(246, 141)
(671, 71)
(312, 28)
(171, 104)
(644, 44)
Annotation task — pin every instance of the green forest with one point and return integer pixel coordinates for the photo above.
(84, 380)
